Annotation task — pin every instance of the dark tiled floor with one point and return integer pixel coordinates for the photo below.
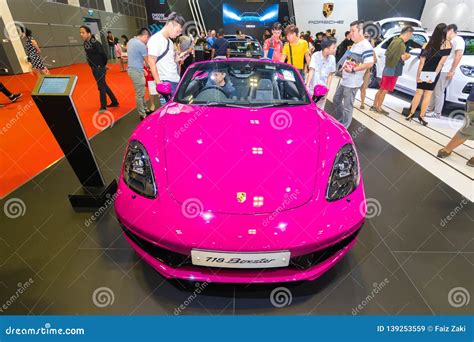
(404, 246)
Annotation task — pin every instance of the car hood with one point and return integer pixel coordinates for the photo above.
(241, 160)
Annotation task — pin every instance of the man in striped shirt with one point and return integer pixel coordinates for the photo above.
(357, 60)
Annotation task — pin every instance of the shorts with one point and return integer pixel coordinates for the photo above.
(152, 88)
(388, 82)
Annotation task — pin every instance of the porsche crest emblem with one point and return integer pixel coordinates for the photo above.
(241, 197)
(328, 7)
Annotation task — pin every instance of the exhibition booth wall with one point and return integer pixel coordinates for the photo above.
(56, 28)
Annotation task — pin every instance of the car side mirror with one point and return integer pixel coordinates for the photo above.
(319, 92)
(164, 88)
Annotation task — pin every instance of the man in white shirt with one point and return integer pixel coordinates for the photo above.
(449, 68)
(162, 58)
(322, 67)
(358, 59)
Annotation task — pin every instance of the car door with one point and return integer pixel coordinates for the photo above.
(407, 81)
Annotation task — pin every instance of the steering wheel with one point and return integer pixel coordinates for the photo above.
(213, 87)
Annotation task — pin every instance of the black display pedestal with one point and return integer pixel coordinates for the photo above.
(92, 198)
(53, 97)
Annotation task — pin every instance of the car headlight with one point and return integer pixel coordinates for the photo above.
(345, 175)
(137, 171)
(467, 70)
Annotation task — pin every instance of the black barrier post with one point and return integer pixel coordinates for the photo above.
(53, 97)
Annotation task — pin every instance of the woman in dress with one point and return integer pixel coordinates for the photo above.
(432, 57)
(33, 52)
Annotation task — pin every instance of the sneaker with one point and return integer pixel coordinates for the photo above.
(15, 97)
(373, 109)
(113, 104)
(382, 111)
(102, 110)
(470, 162)
(433, 115)
(443, 154)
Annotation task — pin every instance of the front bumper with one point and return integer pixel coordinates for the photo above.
(304, 267)
(459, 88)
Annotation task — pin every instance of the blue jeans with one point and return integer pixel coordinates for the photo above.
(344, 104)
(111, 52)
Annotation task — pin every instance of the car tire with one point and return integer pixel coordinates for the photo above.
(373, 80)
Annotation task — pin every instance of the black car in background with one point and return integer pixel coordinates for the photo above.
(247, 47)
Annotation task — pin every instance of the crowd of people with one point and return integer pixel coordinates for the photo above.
(151, 59)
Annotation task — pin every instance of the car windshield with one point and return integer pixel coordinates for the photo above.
(242, 84)
(469, 50)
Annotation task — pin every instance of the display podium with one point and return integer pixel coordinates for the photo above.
(53, 97)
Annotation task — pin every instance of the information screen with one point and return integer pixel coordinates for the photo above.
(54, 85)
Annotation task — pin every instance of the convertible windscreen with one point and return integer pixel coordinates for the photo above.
(246, 84)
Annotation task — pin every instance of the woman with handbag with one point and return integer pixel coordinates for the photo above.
(33, 51)
(322, 68)
(432, 58)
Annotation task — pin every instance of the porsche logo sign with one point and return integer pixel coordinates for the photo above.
(241, 197)
(328, 7)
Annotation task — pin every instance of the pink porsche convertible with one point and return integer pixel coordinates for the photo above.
(240, 178)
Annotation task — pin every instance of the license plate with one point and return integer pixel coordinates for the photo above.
(240, 260)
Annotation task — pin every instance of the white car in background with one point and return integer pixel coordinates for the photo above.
(389, 26)
(462, 82)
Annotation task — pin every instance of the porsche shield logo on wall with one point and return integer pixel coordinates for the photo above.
(328, 7)
(241, 197)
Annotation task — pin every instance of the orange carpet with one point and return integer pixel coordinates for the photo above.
(27, 146)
